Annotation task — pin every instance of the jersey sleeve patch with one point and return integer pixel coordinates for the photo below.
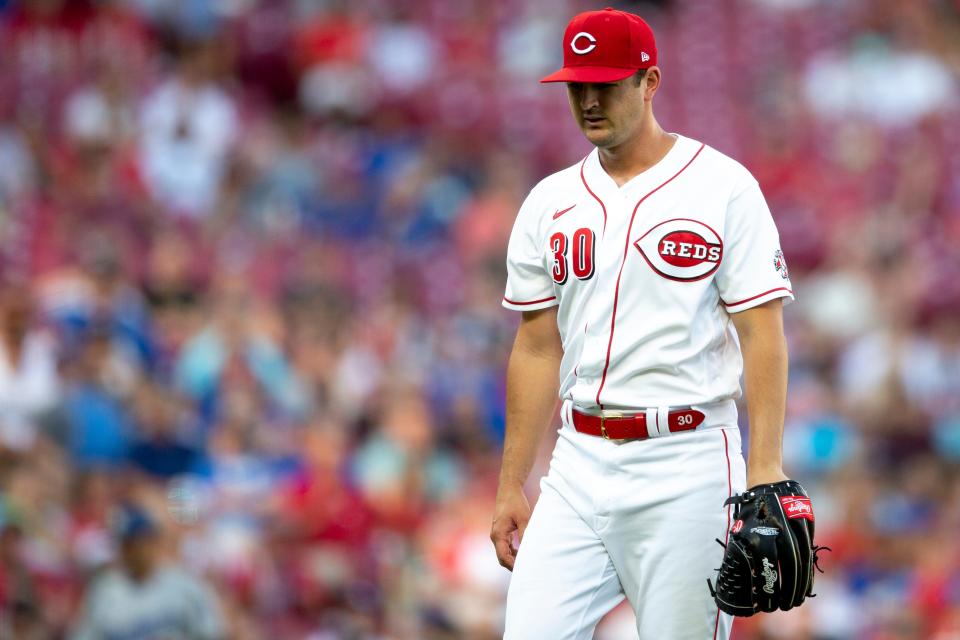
(780, 264)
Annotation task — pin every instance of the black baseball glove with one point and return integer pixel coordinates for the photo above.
(769, 557)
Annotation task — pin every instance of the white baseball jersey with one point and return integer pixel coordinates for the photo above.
(646, 275)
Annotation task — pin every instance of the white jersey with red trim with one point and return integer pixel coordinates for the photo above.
(646, 275)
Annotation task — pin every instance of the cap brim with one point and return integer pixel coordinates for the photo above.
(589, 74)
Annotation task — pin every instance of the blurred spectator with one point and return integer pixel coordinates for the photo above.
(17, 169)
(145, 596)
(99, 426)
(400, 470)
(18, 591)
(92, 500)
(189, 124)
(237, 349)
(166, 442)
(29, 382)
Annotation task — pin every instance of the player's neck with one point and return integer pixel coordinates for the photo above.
(647, 148)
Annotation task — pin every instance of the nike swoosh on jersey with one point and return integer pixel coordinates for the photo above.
(560, 213)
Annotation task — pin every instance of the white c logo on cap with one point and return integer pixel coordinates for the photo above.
(587, 49)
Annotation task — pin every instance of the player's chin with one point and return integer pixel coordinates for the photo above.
(599, 135)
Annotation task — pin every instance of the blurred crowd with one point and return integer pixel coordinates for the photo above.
(252, 254)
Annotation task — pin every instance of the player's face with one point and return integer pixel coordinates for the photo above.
(608, 113)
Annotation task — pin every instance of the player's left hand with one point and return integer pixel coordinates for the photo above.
(770, 555)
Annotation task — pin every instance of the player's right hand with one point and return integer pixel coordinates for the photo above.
(510, 514)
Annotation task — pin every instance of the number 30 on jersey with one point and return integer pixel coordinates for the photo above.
(580, 246)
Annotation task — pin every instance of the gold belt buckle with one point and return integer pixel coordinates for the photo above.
(603, 422)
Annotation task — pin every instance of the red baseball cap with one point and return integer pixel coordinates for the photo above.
(605, 46)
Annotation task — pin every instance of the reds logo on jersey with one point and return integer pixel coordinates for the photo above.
(681, 249)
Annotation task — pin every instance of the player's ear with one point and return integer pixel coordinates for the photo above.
(650, 82)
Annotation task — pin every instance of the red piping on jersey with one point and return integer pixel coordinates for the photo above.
(602, 206)
(506, 299)
(726, 451)
(626, 248)
(759, 295)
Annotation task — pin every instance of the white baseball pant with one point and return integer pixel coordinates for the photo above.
(635, 519)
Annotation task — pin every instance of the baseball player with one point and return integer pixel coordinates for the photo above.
(649, 276)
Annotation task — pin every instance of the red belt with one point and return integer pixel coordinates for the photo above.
(635, 426)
